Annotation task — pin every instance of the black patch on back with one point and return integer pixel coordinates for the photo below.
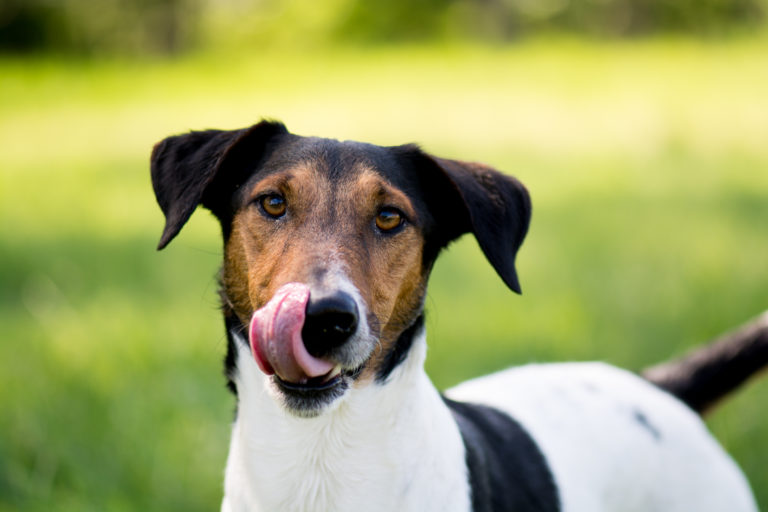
(400, 350)
(507, 471)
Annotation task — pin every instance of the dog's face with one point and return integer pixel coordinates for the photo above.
(328, 246)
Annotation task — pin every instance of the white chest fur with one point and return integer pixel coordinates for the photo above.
(384, 447)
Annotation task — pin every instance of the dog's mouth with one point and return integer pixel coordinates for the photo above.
(334, 380)
(321, 383)
(310, 398)
(275, 334)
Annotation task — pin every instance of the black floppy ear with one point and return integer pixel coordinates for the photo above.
(471, 197)
(199, 167)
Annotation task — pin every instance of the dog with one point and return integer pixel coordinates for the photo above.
(327, 250)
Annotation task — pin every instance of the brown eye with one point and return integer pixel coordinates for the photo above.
(389, 219)
(273, 205)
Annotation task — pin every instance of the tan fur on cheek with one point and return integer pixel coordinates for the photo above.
(250, 262)
(386, 267)
(262, 253)
(397, 293)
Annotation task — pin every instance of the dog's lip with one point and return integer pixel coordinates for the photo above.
(318, 383)
(323, 383)
(333, 379)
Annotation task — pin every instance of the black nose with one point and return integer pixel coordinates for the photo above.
(329, 322)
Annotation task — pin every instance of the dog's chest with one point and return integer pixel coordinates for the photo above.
(326, 470)
(341, 470)
(392, 447)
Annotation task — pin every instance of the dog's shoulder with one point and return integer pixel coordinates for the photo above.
(498, 452)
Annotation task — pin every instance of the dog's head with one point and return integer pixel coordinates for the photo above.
(328, 245)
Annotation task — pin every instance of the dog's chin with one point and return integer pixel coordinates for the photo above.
(313, 398)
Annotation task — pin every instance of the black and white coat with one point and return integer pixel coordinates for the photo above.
(571, 437)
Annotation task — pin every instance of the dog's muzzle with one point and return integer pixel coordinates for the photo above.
(295, 338)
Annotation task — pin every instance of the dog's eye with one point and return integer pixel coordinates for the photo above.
(389, 219)
(273, 205)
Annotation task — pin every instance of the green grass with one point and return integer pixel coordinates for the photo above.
(646, 161)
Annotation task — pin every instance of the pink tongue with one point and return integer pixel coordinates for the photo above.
(275, 336)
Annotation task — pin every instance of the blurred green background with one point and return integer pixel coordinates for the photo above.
(640, 128)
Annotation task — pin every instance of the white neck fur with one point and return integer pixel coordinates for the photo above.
(391, 446)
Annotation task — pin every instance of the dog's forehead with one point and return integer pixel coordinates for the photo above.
(338, 161)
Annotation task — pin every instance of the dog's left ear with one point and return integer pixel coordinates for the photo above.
(471, 197)
(201, 167)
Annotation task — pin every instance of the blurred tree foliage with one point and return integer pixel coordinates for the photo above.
(172, 26)
(104, 26)
(509, 19)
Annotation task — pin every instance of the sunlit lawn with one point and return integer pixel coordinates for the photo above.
(648, 167)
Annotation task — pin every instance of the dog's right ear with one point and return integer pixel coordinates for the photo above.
(467, 197)
(202, 167)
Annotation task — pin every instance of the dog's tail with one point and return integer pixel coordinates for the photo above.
(707, 374)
